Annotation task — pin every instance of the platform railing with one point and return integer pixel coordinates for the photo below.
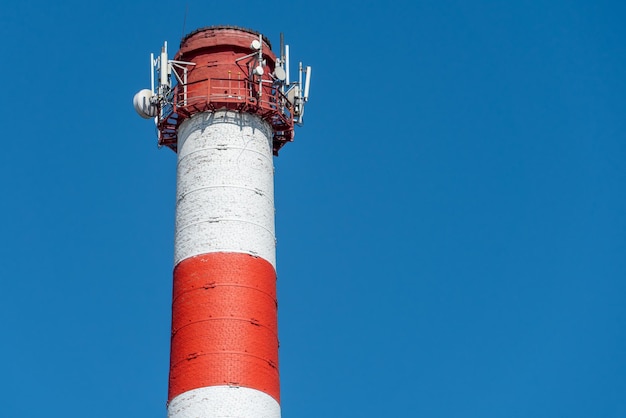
(238, 94)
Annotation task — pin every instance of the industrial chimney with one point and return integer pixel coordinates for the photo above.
(226, 106)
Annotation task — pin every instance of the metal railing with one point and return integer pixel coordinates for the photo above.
(240, 94)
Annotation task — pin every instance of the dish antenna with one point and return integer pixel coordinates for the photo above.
(144, 105)
(279, 73)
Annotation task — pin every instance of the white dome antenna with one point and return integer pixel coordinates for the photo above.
(279, 73)
(144, 104)
(258, 70)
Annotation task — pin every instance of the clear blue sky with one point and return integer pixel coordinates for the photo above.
(451, 219)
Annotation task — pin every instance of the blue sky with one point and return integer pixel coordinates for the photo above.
(450, 219)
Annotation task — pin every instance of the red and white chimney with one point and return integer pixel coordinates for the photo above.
(230, 110)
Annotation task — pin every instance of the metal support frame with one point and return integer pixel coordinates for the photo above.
(272, 106)
(267, 98)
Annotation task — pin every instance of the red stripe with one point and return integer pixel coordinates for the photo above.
(224, 324)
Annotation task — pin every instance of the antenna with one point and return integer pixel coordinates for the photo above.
(152, 72)
(153, 102)
(307, 83)
(143, 104)
(296, 93)
(300, 76)
(164, 66)
(282, 48)
(287, 64)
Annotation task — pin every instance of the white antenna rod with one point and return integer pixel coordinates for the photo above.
(307, 83)
(300, 79)
(152, 72)
(287, 64)
(282, 49)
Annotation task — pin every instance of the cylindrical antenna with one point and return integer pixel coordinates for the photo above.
(164, 66)
(152, 72)
(307, 82)
(282, 49)
(287, 64)
(300, 78)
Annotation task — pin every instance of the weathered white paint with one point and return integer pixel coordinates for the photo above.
(223, 402)
(225, 186)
